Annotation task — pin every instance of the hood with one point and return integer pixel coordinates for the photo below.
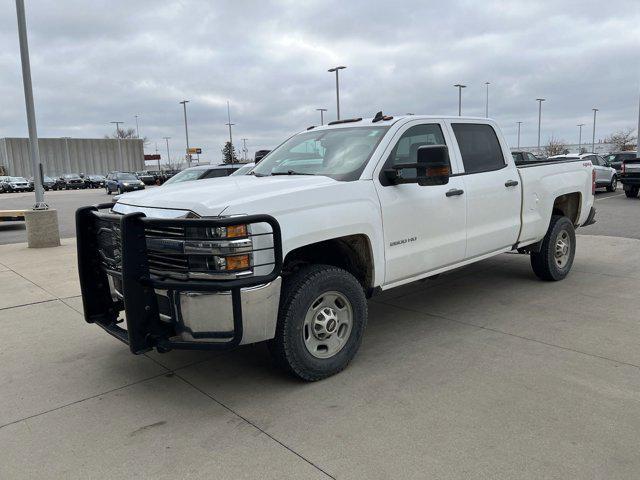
(212, 196)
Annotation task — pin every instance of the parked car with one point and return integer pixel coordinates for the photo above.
(290, 253)
(15, 184)
(630, 177)
(95, 181)
(605, 176)
(72, 181)
(259, 155)
(204, 171)
(244, 169)
(3, 183)
(521, 157)
(615, 159)
(146, 177)
(48, 183)
(122, 182)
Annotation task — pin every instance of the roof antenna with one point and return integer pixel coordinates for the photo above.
(380, 117)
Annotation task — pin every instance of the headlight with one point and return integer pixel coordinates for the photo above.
(125, 184)
(141, 182)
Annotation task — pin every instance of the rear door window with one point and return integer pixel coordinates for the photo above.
(479, 147)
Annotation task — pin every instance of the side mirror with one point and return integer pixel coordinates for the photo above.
(433, 165)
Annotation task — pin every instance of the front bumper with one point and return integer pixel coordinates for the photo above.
(132, 188)
(165, 313)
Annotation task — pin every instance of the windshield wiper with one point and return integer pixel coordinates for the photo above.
(290, 172)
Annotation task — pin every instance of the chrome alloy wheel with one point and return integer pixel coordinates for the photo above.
(327, 325)
(563, 248)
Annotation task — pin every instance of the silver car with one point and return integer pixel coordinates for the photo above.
(606, 176)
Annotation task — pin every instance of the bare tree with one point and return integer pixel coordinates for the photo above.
(623, 139)
(128, 133)
(555, 146)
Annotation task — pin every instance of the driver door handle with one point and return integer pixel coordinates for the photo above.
(454, 192)
(511, 183)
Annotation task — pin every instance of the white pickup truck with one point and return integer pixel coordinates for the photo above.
(289, 253)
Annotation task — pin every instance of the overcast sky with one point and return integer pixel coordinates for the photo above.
(98, 61)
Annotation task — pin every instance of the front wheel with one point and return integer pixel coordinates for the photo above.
(613, 185)
(631, 192)
(555, 258)
(321, 321)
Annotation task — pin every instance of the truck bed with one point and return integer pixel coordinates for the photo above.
(542, 183)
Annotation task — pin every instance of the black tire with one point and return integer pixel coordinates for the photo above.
(631, 192)
(544, 263)
(613, 185)
(299, 290)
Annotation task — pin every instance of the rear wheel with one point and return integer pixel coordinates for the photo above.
(631, 192)
(613, 185)
(322, 317)
(555, 258)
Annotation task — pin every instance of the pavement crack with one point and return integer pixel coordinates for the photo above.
(60, 407)
(299, 455)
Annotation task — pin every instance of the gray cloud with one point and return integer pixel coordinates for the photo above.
(94, 62)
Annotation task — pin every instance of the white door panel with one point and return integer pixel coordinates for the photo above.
(493, 211)
(423, 228)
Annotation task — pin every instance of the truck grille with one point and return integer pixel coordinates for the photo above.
(110, 247)
(161, 261)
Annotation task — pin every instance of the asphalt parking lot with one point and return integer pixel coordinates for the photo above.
(484, 372)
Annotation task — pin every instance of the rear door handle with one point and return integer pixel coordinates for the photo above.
(453, 192)
(511, 183)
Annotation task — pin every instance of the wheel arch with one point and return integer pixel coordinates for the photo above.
(353, 253)
(568, 205)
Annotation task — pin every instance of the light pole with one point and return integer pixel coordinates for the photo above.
(337, 69)
(244, 149)
(137, 130)
(230, 136)
(519, 123)
(34, 150)
(460, 87)
(119, 144)
(539, 100)
(580, 125)
(486, 108)
(593, 138)
(168, 155)
(186, 130)
(321, 110)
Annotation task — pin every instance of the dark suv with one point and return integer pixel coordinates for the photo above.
(122, 182)
(615, 159)
(72, 181)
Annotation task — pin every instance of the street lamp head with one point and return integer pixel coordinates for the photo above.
(541, 99)
(321, 109)
(595, 109)
(184, 101)
(336, 68)
(460, 85)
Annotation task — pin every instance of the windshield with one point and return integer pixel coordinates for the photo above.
(340, 153)
(71, 175)
(17, 179)
(127, 176)
(186, 175)
(619, 157)
(244, 169)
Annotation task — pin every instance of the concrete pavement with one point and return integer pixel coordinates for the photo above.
(485, 372)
